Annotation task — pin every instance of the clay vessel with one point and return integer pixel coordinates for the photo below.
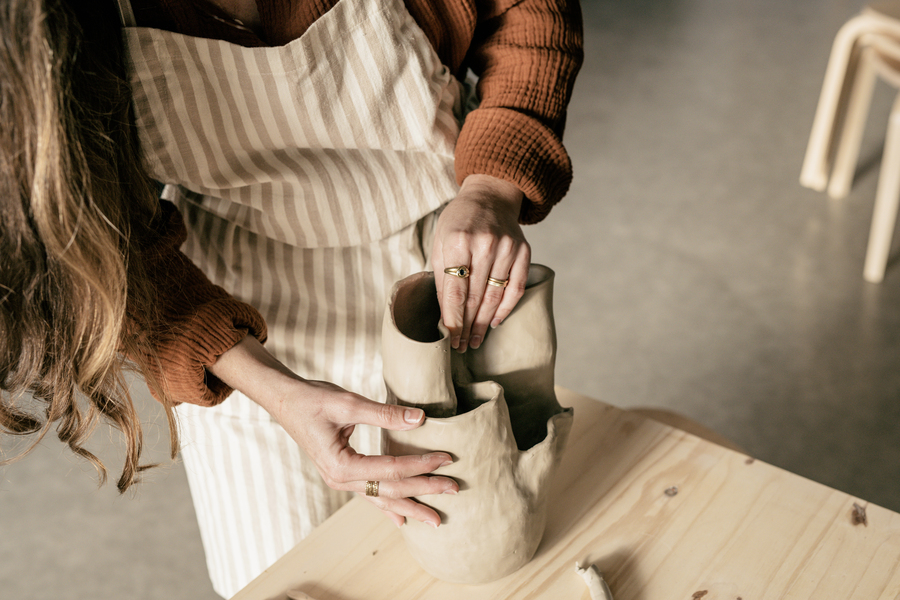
(495, 411)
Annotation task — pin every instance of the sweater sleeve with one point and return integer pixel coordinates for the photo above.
(195, 322)
(526, 54)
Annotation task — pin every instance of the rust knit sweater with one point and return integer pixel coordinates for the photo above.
(526, 54)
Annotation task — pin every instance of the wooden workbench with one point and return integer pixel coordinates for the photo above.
(736, 528)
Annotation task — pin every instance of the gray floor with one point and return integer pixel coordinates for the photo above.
(693, 273)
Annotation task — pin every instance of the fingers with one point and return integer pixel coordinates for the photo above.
(413, 486)
(398, 520)
(349, 468)
(479, 229)
(361, 410)
(469, 306)
(400, 510)
(342, 465)
(515, 288)
(511, 267)
(482, 299)
(453, 291)
(394, 495)
(394, 498)
(321, 417)
(398, 477)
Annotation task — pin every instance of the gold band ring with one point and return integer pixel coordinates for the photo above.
(462, 272)
(372, 489)
(498, 282)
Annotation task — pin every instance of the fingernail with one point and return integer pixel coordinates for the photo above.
(432, 523)
(495, 323)
(454, 343)
(450, 491)
(413, 415)
(462, 345)
(446, 462)
(475, 341)
(400, 524)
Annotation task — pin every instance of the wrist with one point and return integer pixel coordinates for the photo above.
(495, 189)
(249, 368)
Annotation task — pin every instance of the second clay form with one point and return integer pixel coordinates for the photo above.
(495, 411)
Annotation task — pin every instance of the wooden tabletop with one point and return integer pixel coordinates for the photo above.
(662, 513)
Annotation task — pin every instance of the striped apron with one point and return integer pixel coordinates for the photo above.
(309, 176)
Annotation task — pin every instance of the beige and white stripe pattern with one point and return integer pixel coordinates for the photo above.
(335, 139)
(308, 176)
(256, 492)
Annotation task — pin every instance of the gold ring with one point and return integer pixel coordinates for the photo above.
(461, 272)
(498, 282)
(372, 489)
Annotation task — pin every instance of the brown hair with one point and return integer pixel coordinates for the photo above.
(75, 209)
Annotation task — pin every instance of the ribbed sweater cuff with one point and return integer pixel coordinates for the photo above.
(196, 343)
(512, 146)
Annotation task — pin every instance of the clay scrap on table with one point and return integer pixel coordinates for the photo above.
(595, 582)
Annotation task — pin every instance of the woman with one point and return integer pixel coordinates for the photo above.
(316, 153)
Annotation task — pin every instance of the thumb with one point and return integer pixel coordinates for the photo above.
(390, 416)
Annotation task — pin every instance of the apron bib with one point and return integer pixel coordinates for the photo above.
(309, 176)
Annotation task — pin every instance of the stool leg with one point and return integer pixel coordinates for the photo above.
(887, 198)
(850, 140)
(814, 173)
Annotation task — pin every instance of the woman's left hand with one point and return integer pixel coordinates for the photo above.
(480, 230)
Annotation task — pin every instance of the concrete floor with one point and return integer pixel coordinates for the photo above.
(694, 273)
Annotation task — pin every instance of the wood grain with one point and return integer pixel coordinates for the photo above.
(736, 528)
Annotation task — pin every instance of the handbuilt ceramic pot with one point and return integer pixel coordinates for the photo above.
(495, 411)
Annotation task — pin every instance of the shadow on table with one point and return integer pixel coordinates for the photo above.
(604, 446)
(299, 593)
(618, 568)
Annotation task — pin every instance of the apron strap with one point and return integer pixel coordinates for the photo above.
(126, 14)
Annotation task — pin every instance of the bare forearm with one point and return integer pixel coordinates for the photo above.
(320, 417)
(249, 368)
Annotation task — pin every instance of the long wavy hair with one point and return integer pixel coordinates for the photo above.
(75, 210)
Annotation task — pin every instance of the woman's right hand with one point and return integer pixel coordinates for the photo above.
(321, 416)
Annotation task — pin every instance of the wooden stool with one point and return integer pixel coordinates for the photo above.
(865, 48)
